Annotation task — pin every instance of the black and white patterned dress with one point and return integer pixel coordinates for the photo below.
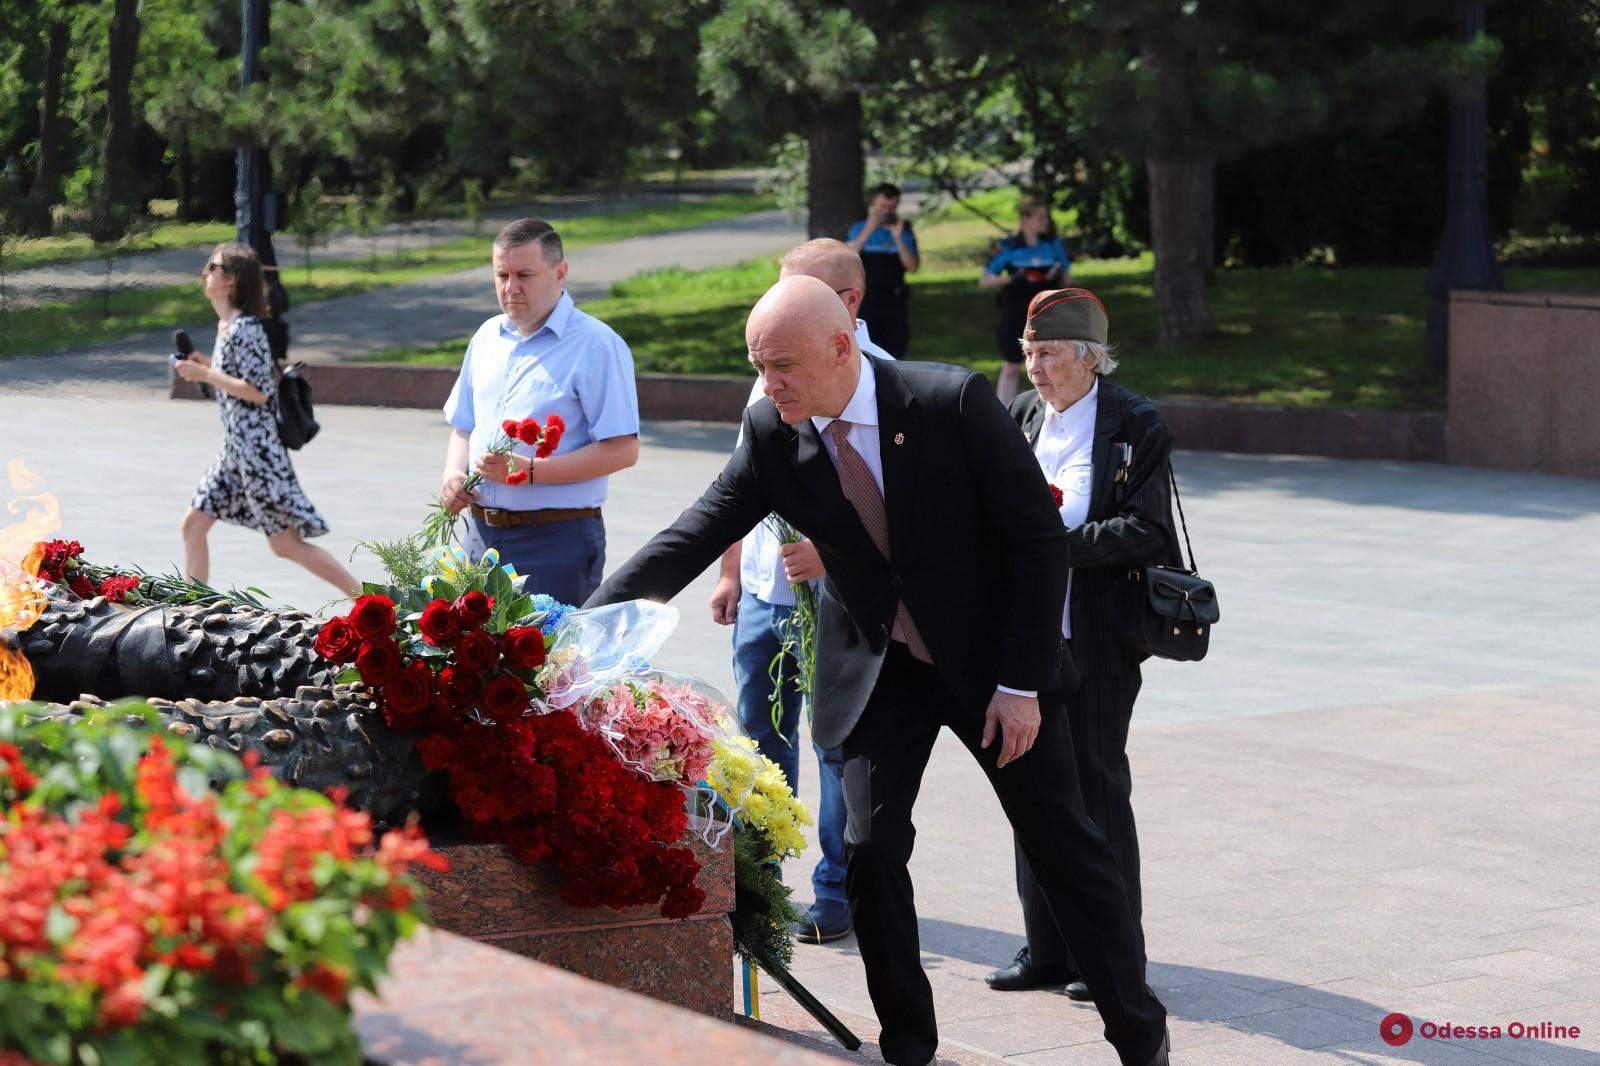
(252, 483)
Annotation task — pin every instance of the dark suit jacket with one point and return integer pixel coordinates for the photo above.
(1124, 530)
(978, 552)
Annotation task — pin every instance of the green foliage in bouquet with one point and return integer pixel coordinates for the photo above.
(164, 904)
(764, 914)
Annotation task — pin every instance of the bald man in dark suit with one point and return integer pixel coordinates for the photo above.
(946, 572)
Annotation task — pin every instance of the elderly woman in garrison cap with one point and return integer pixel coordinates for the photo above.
(1105, 450)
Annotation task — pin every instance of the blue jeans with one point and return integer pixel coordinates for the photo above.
(562, 559)
(755, 642)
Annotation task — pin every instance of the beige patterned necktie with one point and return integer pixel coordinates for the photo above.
(862, 491)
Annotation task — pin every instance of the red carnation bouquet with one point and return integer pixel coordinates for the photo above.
(440, 528)
(461, 660)
(61, 562)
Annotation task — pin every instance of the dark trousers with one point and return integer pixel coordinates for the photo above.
(562, 559)
(884, 758)
(1098, 712)
(889, 322)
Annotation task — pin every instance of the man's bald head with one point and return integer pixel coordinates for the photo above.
(802, 342)
(833, 262)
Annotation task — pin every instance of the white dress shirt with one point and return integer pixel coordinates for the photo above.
(760, 566)
(1065, 450)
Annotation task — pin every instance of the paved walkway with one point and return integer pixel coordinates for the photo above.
(437, 309)
(1378, 794)
(179, 266)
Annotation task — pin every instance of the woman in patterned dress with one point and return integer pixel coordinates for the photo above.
(252, 482)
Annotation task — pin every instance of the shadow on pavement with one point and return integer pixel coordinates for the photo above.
(1410, 486)
(1342, 1027)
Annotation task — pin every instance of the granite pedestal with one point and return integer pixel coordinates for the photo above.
(493, 898)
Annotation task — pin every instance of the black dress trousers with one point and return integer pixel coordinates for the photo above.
(1099, 712)
(885, 756)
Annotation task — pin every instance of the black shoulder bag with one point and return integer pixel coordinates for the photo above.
(1169, 611)
(296, 423)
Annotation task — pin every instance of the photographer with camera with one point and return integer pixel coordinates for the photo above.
(888, 250)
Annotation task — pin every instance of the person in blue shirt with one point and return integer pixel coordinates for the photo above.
(1024, 264)
(888, 250)
(541, 357)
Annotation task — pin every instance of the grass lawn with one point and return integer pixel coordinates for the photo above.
(96, 318)
(1350, 337)
(76, 247)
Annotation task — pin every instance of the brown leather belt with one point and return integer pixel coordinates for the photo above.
(495, 518)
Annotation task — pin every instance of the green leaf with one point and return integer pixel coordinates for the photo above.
(59, 925)
(314, 1025)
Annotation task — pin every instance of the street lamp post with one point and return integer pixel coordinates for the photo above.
(252, 200)
(1465, 258)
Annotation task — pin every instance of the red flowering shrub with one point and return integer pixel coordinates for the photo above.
(138, 917)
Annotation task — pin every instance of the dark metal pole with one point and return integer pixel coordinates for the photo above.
(252, 199)
(1465, 258)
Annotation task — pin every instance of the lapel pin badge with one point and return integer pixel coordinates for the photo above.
(899, 438)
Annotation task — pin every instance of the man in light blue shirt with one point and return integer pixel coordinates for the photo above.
(542, 357)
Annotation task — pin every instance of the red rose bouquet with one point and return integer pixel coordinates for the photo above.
(440, 528)
(460, 659)
(145, 919)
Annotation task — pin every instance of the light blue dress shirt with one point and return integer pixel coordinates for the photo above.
(574, 366)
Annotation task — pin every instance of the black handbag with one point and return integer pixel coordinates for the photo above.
(1168, 611)
(297, 425)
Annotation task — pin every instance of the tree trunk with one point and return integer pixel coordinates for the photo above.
(46, 191)
(835, 169)
(119, 181)
(185, 178)
(1183, 194)
(1182, 168)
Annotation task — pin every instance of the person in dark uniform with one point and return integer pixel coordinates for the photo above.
(1105, 450)
(888, 250)
(1024, 264)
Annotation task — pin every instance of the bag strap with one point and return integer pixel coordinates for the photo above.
(1172, 478)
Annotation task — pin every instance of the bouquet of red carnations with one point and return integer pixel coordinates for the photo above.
(440, 528)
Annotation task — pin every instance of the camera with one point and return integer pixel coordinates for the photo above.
(891, 218)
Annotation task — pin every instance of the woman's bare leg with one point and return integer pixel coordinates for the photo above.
(288, 544)
(196, 552)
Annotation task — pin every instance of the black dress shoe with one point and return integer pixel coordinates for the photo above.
(823, 924)
(1022, 975)
(1163, 1055)
(1078, 992)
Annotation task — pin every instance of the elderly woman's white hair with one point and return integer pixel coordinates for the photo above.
(1102, 358)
